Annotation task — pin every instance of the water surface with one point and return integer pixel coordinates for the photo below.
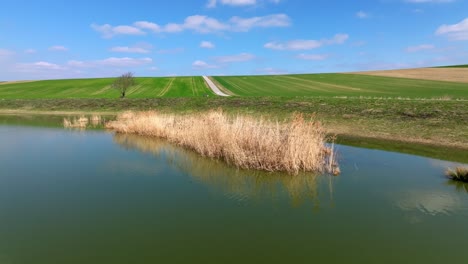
(94, 197)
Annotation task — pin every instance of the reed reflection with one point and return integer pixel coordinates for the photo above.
(236, 183)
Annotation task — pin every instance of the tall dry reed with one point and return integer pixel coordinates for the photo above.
(246, 142)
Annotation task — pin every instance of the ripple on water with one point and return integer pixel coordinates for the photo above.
(430, 202)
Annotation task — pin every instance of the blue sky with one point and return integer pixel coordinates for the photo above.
(81, 39)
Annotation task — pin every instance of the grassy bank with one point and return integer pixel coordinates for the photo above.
(391, 122)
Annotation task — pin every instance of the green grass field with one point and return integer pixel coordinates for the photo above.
(101, 88)
(330, 85)
(323, 85)
(454, 66)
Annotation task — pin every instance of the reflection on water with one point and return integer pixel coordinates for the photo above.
(238, 184)
(459, 185)
(83, 122)
(432, 202)
(94, 197)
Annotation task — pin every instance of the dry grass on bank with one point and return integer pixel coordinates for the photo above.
(246, 142)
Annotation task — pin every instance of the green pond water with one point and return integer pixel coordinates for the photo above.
(70, 196)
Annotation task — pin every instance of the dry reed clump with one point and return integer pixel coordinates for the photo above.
(458, 174)
(243, 141)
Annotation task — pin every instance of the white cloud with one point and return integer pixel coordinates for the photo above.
(203, 24)
(246, 24)
(139, 48)
(201, 65)
(457, 31)
(77, 69)
(37, 67)
(196, 23)
(148, 25)
(429, 1)
(242, 57)
(238, 2)
(154, 68)
(207, 45)
(419, 48)
(314, 57)
(58, 48)
(30, 51)
(306, 44)
(294, 45)
(361, 14)
(108, 31)
(213, 3)
(112, 62)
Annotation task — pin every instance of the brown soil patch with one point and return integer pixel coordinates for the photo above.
(13, 82)
(435, 74)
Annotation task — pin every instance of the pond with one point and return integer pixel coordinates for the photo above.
(69, 196)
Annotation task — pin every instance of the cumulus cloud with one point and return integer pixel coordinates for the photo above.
(419, 48)
(129, 49)
(306, 44)
(202, 65)
(58, 48)
(139, 48)
(214, 3)
(75, 69)
(246, 24)
(207, 45)
(196, 23)
(457, 31)
(148, 25)
(108, 31)
(112, 62)
(38, 66)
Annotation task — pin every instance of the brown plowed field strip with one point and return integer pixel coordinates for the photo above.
(435, 74)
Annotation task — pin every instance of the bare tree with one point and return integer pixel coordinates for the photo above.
(123, 82)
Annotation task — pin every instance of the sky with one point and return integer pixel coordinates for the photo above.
(58, 39)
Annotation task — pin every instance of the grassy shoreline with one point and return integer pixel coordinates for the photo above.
(439, 126)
